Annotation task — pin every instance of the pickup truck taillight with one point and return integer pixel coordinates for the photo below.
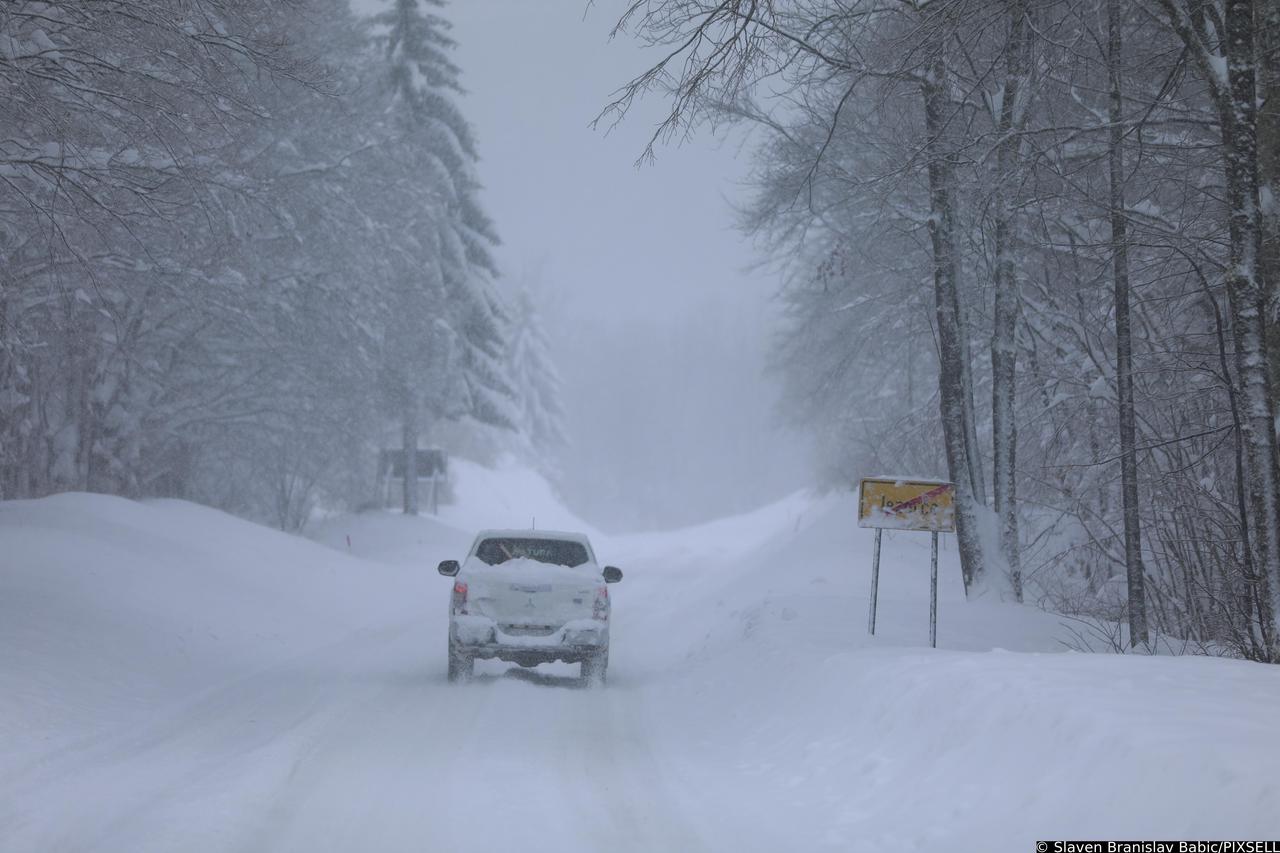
(600, 610)
(459, 601)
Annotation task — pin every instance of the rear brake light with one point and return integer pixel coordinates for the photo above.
(459, 601)
(600, 610)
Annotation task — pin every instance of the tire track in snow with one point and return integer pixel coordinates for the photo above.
(122, 790)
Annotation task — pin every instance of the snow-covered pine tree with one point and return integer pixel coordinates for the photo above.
(536, 383)
(445, 347)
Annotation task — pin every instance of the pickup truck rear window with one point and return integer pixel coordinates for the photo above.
(555, 551)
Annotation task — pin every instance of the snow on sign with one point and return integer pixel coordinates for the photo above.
(907, 505)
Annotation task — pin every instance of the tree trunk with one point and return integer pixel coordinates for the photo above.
(410, 444)
(976, 476)
(955, 411)
(1248, 300)
(1134, 569)
(1258, 646)
(1004, 351)
(1268, 29)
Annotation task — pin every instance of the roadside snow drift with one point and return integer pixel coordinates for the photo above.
(172, 678)
(109, 607)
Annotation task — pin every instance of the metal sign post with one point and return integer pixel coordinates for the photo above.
(875, 584)
(933, 594)
(906, 505)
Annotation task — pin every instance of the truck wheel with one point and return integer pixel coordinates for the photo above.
(461, 665)
(595, 667)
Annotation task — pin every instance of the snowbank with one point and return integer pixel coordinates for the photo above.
(783, 705)
(174, 678)
(507, 496)
(111, 609)
(899, 750)
(388, 536)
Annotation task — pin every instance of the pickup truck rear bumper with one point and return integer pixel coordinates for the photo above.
(525, 656)
(482, 638)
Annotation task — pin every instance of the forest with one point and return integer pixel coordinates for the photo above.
(1030, 246)
(1033, 247)
(242, 249)
(836, 425)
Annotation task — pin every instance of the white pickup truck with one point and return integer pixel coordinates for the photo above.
(529, 597)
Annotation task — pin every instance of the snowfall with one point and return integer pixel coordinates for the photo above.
(176, 679)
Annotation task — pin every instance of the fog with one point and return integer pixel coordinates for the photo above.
(252, 276)
(659, 323)
(390, 461)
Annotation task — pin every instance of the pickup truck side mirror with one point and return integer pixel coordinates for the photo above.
(612, 574)
(448, 568)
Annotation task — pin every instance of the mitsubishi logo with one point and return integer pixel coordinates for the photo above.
(530, 605)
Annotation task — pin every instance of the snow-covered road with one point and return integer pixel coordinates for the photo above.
(362, 744)
(356, 743)
(364, 747)
(175, 679)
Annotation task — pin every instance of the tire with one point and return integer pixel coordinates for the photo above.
(595, 668)
(461, 665)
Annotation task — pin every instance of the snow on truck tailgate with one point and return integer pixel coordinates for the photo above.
(525, 592)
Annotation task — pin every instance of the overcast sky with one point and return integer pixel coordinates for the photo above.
(660, 327)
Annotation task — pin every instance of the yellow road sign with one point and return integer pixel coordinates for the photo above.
(907, 504)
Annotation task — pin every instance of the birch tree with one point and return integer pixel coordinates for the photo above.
(1012, 112)
(1137, 609)
(1220, 39)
